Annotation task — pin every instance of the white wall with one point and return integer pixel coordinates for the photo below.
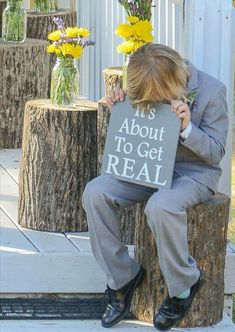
(209, 44)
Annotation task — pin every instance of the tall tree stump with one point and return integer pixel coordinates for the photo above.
(24, 73)
(3, 4)
(39, 25)
(207, 232)
(59, 157)
(112, 77)
(130, 215)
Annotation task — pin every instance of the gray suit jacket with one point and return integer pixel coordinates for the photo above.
(199, 155)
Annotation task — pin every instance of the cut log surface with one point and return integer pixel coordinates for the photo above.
(207, 232)
(39, 25)
(59, 157)
(2, 7)
(112, 78)
(24, 75)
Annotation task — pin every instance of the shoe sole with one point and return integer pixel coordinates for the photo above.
(136, 285)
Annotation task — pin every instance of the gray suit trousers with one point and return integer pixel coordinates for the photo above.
(166, 216)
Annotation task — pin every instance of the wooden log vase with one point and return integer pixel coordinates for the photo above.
(59, 157)
(112, 78)
(24, 73)
(207, 233)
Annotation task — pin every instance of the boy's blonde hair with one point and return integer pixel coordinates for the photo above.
(156, 73)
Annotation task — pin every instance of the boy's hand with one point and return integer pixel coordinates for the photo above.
(116, 94)
(183, 112)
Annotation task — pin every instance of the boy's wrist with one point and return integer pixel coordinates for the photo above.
(184, 133)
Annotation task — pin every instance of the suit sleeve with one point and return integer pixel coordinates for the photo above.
(209, 139)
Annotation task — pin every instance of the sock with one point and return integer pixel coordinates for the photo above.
(184, 295)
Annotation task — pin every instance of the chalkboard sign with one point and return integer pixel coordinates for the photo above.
(141, 144)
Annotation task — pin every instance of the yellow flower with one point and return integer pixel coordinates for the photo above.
(82, 32)
(71, 32)
(55, 36)
(129, 46)
(143, 28)
(125, 30)
(76, 51)
(126, 47)
(133, 19)
(148, 38)
(66, 49)
(51, 48)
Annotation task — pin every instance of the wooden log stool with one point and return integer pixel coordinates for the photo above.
(24, 75)
(207, 233)
(39, 25)
(59, 157)
(3, 4)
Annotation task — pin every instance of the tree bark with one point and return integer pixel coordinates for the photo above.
(207, 232)
(24, 75)
(39, 25)
(2, 7)
(59, 157)
(112, 78)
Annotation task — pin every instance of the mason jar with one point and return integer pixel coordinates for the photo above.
(14, 22)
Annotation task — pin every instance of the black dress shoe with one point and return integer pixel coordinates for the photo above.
(173, 310)
(120, 300)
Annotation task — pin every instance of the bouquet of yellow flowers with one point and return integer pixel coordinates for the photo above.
(68, 41)
(135, 33)
(68, 45)
(138, 30)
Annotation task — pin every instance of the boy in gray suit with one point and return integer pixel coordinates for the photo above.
(157, 73)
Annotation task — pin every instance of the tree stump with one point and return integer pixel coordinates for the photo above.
(59, 157)
(39, 25)
(24, 75)
(207, 232)
(128, 216)
(3, 4)
(112, 78)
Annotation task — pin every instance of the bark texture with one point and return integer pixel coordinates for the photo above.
(24, 73)
(207, 233)
(112, 78)
(2, 7)
(59, 157)
(39, 25)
